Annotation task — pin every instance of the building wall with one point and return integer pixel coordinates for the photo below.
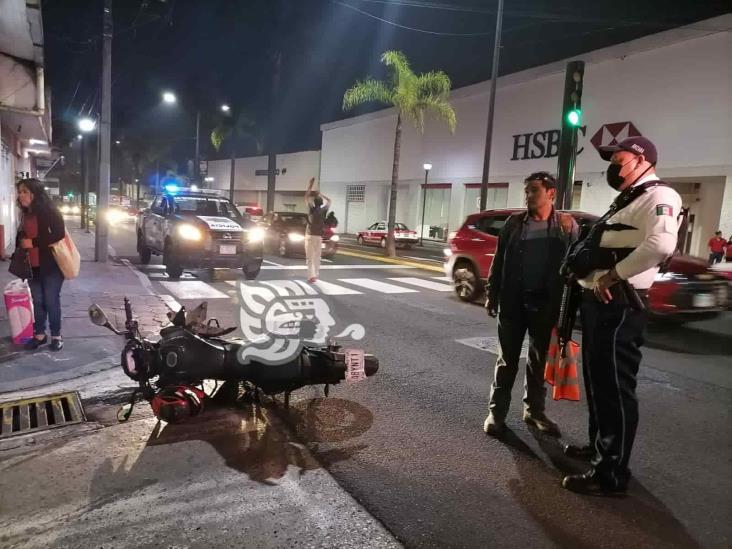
(675, 88)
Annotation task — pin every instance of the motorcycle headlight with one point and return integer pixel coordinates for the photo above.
(256, 234)
(296, 237)
(189, 232)
(335, 238)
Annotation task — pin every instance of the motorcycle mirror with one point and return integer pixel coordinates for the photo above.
(97, 315)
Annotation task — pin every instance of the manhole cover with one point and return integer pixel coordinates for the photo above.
(29, 415)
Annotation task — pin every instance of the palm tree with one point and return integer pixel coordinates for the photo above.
(231, 129)
(412, 96)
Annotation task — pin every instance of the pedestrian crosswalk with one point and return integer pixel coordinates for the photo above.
(190, 287)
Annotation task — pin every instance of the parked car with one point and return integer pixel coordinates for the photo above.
(196, 230)
(376, 235)
(687, 291)
(285, 235)
(254, 211)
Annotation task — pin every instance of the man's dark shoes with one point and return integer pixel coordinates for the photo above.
(34, 343)
(586, 452)
(57, 344)
(592, 484)
(543, 423)
(494, 427)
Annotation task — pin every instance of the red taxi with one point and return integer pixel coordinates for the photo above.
(376, 235)
(687, 291)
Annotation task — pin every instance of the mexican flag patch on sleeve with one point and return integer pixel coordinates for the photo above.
(664, 209)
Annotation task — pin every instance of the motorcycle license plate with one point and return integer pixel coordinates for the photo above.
(229, 249)
(355, 365)
(704, 300)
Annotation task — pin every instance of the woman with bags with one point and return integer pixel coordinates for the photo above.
(42, 225)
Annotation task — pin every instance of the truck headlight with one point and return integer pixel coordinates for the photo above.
(296, 237)
(75, 210)
(114, 216)
(189, 232)
(256, 234)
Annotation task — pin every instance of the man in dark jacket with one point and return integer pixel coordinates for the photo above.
(524, 290)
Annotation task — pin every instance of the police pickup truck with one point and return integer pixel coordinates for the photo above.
(198, 230)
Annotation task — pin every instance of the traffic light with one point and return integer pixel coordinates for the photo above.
(70, 194)
(571, 122)
(574, 118)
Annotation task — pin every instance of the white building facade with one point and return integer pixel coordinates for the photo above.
(25, 110)
(674, 87)
(294, 170)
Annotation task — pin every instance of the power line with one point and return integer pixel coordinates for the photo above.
(537, 14)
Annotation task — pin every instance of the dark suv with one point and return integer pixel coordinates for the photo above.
(688, 291)
(198, 230)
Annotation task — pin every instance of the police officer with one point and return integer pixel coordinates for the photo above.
(637, 237)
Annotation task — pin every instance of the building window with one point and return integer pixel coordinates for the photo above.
(355, 193)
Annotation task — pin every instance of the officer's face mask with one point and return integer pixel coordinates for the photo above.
(614, 179)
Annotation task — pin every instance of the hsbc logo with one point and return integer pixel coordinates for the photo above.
(612, 134)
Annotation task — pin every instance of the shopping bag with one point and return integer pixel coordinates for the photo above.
(560, 370)
(19, 304)
(67, 257)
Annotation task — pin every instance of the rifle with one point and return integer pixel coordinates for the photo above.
(571, 296)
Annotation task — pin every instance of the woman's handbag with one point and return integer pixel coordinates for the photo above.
(20, 264)
(67, 256)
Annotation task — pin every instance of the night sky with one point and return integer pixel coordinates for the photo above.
(215, 51)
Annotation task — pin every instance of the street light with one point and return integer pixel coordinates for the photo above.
(427, 167)
(225, 108)
(169, 97)
(87, 125)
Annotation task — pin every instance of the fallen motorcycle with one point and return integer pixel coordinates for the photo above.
(170, 372)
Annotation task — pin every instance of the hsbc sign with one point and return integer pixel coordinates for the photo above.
(545, 144)
(612, 134)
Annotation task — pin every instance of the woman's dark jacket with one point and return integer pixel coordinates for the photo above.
(51, 229)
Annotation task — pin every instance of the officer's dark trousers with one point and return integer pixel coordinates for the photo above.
(513, 323)
(612, 335)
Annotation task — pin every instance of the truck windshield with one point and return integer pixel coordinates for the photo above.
(202, 205)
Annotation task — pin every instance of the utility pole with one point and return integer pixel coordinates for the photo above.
(101, 236)
(197, 167)
(84, 186)
(272, 152)
(571, 122)
(491, 108)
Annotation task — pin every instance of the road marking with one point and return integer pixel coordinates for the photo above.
(382, 287)
(422, 258)
(442, 278)
(288, 288)
(172, 304)
(184, 276)
(193, 289)
(328, 288)
(268, 262)
(333, 267)
(491, 345)
(326, 260)
(422, 283)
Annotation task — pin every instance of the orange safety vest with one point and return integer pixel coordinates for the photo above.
(561, 371)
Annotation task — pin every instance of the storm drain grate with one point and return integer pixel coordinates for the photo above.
(29, 415)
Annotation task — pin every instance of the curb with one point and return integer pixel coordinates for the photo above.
(392, 261)
(38, 382)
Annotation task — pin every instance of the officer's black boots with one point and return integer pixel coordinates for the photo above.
(593, 484)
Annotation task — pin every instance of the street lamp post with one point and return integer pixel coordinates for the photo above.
(86, 126)
(427, 167)
(171, 99)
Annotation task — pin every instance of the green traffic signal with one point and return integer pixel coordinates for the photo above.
(574, 117)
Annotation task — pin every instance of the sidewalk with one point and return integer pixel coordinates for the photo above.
(88, 348)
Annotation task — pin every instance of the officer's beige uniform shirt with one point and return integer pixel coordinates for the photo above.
(653, 217)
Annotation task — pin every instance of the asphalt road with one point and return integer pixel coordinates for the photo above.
(411, 448)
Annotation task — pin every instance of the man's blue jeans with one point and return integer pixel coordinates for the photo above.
(46, 292)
